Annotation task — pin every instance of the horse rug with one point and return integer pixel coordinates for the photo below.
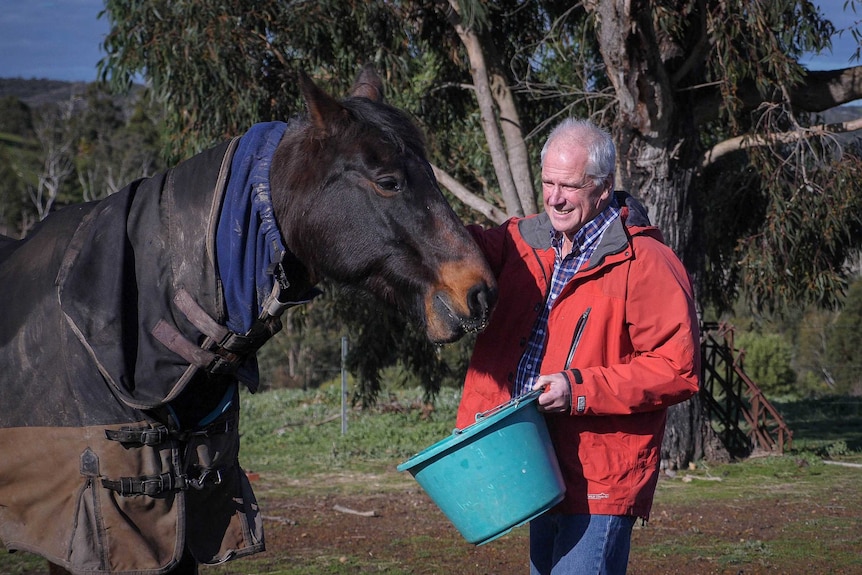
(119, 411)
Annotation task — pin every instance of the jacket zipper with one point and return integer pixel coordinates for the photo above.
(576, 338)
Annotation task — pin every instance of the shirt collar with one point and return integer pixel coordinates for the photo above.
(589, 233)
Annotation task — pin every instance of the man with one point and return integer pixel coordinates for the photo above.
(597, 311)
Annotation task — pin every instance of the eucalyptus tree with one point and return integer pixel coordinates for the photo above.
(713, 114)
(17, 156)
(117, 142)
(51, 128)
(844, 338)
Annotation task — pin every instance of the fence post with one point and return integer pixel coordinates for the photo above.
(343, 385)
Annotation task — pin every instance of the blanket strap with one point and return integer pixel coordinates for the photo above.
(155, 436)
(139, 436)
(150, 485)
(159, 434)
(224, 351)
(155, 485)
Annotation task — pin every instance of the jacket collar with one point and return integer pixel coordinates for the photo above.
(536, 230)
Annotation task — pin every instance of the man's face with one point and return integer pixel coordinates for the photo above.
(571, 198)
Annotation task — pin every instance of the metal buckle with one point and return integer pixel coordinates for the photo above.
(200, 482)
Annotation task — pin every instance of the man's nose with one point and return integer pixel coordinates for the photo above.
(554, 192)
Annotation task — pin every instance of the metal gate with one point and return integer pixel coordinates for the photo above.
(741, 415)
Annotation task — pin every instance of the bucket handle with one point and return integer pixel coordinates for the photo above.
(512, 402)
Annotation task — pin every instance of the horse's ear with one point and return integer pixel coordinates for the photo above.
(368, 85)
(323, 109)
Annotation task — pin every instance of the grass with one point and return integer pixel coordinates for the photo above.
(21, 564)
(830, 426)
(702, 518)
(730, 532)
(292, 434)
(299, 434)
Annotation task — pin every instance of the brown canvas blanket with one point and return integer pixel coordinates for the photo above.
(81, 297)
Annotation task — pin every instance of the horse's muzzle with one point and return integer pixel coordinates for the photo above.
(452, 315)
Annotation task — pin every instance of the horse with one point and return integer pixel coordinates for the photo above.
(129, 325)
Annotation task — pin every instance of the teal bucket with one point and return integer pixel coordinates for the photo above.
(494, 475)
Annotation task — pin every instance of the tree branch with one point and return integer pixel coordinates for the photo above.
(828, 88)
(516, 147)
(821, 90)
(700, 50)
(750, 141)
(479, 72)
(469, 199)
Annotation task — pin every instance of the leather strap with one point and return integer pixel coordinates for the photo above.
(158, 434)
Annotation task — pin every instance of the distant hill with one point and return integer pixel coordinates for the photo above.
(844, 114)
(40, 92)
(36, 93)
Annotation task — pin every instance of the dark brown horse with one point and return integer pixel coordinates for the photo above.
(129, 324)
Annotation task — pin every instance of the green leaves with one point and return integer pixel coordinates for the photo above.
(843, 344)
(812, 219)
(761, 42)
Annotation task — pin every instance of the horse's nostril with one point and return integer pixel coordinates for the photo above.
(481, 300)
(450, 317)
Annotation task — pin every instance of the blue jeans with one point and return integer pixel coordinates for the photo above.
(580, 544)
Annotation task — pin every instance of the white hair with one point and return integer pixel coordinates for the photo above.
(601, 153)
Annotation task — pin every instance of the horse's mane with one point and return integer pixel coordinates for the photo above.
(294, 169)
(395, 125)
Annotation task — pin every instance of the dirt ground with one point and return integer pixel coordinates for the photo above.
(406, 533)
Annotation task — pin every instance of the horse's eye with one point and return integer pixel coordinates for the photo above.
(387, 186)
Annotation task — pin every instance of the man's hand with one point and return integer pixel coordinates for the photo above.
(557, 395)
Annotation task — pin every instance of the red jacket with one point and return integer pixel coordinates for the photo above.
(639, 353)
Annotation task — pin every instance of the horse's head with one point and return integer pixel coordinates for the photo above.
(357, 202)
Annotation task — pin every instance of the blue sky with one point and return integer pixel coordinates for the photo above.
(60, 39)
(53, 39)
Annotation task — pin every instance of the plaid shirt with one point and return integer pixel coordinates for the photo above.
(565, 267)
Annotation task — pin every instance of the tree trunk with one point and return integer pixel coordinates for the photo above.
(485, 99)
(685, 434)
(657, 163)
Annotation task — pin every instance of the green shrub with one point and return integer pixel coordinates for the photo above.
(768, 361)
(843, 342)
